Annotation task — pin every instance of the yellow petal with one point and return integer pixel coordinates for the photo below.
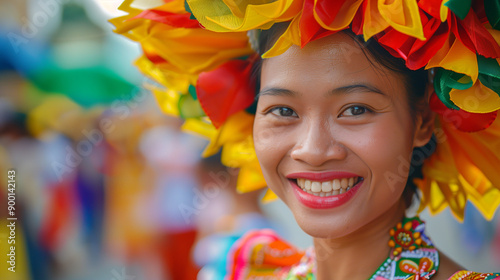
(195, 50)
(444, 11)
(373, 22)
(185, 50)
(224, 16)
(269, 196)
(457, 58)
(495, 34)
(250, 178)
(236, 129)
(290, 37)
(168, 101)
(462, 168)
(476, 99)
(199, 127)
(237, 154)
(402, 15)
(173, 6)
(169, 79)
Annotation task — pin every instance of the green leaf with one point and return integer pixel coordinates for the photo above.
(444, 81)
(459, 7)
(189, 108)
(192, 92)
(492, 10)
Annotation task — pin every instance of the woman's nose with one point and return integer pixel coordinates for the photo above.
(317, 145)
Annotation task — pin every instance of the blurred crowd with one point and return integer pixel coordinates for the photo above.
(107, 186)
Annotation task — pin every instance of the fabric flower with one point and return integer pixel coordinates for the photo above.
(416, 52)
(230, 15)
(171, 40)
(226, 90)
(462, 168)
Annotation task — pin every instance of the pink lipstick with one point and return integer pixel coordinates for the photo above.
(323, 202)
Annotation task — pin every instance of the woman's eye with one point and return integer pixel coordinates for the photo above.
(283, 112)
(354, 111)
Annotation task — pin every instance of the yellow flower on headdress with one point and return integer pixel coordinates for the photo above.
(189, 49)
(462, 168)
(230, 15)
(402, 15)
(290, 37)
(235, 139)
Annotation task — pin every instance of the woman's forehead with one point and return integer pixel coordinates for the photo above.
(330, 62)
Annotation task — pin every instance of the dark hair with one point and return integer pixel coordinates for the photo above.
(416, 82)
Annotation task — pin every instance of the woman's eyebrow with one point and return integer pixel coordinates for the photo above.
(341, 90)
(276, 92)
(356, 87)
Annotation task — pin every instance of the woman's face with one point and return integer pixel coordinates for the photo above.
(334, 135)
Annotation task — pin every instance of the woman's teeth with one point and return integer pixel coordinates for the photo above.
(327, 188)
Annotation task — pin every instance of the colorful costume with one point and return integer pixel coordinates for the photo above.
(201, 53)
(264, 254)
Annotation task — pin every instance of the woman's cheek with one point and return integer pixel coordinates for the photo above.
(387, 153)
(270, 147)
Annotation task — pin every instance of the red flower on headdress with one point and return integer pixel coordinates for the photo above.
(310, 29)
(471, 32)
(415, 52)
(226, 90)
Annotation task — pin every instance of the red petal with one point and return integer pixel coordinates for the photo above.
(327, 10)
(474, 35)
(168, 18)
(308, 25)
(478, 7)
(153, 57)
(357, 21)
(432, 7)
(415, 52)
(421, 52)
(462, 120)
(226, 90)
(310, 29)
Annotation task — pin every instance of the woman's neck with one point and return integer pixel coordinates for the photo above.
(358, 255)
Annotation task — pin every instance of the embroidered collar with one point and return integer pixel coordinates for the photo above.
(412, 256)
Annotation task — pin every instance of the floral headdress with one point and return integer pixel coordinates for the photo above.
(200, 53)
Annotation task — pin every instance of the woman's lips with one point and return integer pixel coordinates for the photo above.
(323, 200)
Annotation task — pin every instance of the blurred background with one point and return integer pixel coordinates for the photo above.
(107, 187)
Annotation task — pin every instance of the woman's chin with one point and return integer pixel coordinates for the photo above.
(325, 226)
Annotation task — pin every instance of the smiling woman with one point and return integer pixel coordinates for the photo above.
(347, 121)
(335, 123)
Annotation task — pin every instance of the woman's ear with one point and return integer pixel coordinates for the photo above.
(425, 120)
